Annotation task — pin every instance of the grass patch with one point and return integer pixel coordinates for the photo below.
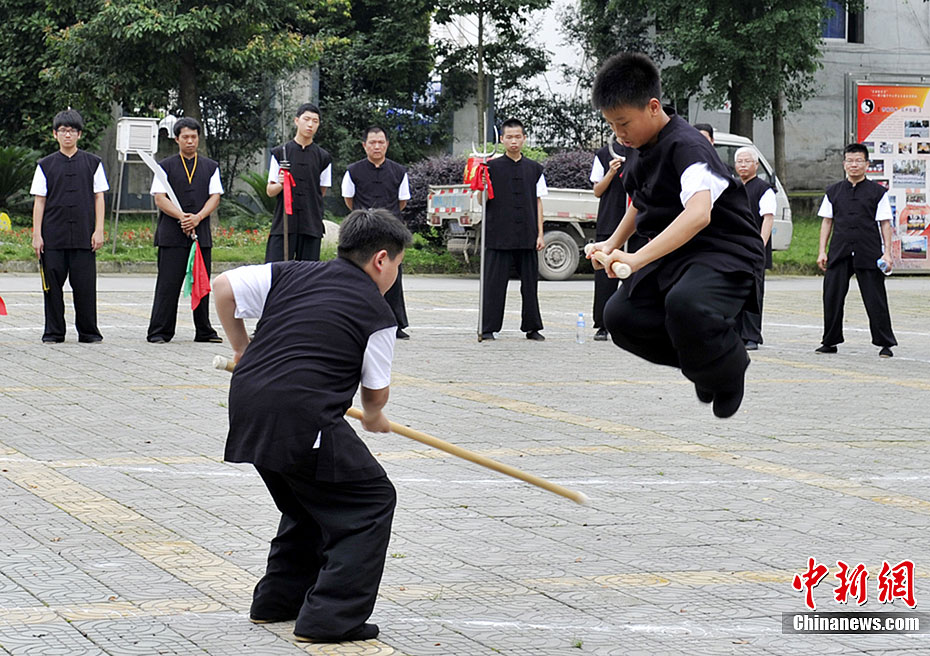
(801, 257)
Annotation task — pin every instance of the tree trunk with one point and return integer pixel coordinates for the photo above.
(187, 89)
(481, 100)
(778, 134)
(740, 118)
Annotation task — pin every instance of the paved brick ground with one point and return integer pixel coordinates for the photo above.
(122, 532)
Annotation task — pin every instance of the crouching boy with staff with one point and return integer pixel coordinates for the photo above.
(703, 262)
(323, 329)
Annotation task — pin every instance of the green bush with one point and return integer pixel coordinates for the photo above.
(17, 166)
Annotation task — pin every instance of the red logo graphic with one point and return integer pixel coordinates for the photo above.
(894, 582)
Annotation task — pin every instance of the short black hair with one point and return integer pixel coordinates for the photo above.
(705, 127)
(857, 148)
(186, 122)
(513, 123)
(307, 107)
(373, 129)
(627, 79)
(70, 118)
(365, 232)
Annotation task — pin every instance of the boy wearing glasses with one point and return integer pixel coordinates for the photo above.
(67, 229)
(857, 212)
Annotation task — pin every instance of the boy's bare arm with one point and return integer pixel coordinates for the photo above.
(96, 240)
(225, 302)
(373, 401)
(38, 212)
(190, 221)
(826, 227)
(540, 242)
(886, 240)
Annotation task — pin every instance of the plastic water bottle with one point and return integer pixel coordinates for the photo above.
(579, 328)
(883, 266)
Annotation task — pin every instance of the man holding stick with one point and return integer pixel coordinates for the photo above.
(325, 329)
(311, 168)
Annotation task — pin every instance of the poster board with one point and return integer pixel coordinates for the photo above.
(893, 121)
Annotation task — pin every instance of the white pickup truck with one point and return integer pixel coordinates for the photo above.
(570, 217)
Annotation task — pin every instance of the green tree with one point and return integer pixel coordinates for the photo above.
(30, 98)
(502, 48)
(379, 74)
(147, 53)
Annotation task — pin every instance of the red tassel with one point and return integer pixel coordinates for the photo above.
(482, 179)
(288, 182)
(2, 307)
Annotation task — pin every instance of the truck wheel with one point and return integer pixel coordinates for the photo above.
(559, 258)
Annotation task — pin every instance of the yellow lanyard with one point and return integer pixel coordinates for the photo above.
(190, 174)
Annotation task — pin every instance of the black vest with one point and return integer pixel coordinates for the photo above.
(377, 186)
(512, 215)
(192, 195)
(855, 230)
(756, 189)
(611, 205)
(730, 243)
(300, 373)
(306, 166)
(68, 221)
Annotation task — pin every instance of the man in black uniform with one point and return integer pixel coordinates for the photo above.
(377, 181)
(858, 214)
(312, 170)
(196, 182)
(67, 229)
(763, 205)
(324, 328)
(606, 174)
(703, 262)
(514, 233)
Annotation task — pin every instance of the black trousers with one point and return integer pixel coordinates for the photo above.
(751, 322)
(395, 298)
(690, 325)
(872, 287)
(79, 266)
(604, 288)
(172, 268)
(325, 563)
(496, 274)
(299, 247)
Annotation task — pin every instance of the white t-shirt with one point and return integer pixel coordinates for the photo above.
(348, 187)
(882, 212)
(767, 204)
(699, 177)
(326, 175)
(40, 184)
(216, 185)
(250, 286)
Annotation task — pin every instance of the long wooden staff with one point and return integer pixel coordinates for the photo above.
(578, 497)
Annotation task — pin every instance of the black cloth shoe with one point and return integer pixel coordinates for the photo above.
(751, 345)
(212, 339)
(52, 340)
(156, 339)
(726, 403)
(90, 339)
(486, 337)
(704, 396)
(364, 632)
(271, 620)
(885, 352)
(535, 336)
(600, 335)
(825, 349)
(402, 335)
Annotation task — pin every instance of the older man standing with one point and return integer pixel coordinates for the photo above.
(378, 182)
(762, 203)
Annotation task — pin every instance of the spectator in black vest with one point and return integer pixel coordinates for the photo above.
(312, 170)
(67, 229)
(763, 205)
(704, 258)
(323, 329)
(514, 233)
(857, 212)
(606, 174)
(196, 182)
(377, 181)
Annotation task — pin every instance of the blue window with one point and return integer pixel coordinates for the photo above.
(835, 26)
